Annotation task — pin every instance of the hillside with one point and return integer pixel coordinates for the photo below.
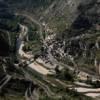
(50, 50)
(58, 15)
(54, 13)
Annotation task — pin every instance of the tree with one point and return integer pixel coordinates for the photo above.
(67, 75)
(57, 69)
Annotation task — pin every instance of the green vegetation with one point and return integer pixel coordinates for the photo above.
(33, 34)
(8, 97)
(66, 75)
(58, 24)
(98, 54)
(34, 46)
